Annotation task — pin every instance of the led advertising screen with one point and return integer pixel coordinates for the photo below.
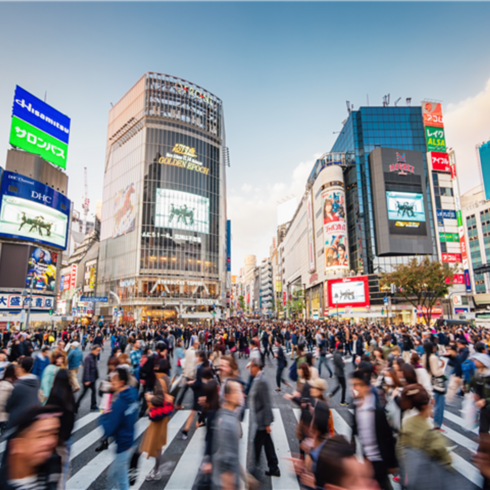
(405, 206)
(348, 292)
(33, 211)
(182, 211)
(42, 268)
(38, 128)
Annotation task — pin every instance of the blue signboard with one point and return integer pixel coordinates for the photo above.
(41, 115)
(228, 245)
(446, 213)
(95, 299)
(32, 211)
(460, 310)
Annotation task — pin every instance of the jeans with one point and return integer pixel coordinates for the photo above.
(119, 471)
(323, 360)
(288, 345)
(439, 402)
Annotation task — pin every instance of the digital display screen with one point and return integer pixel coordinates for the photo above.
(350, 292)
(181, 210)
(41, 271)
(405, 207)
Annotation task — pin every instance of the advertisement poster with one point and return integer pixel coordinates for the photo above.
(440, 161)
(405, 205)
(435, 139)
(334, 229)
(348, 292)
(33, 211)
(432, 114)
(124, 211)
(182, 211)
(90, 275)
(42, 268)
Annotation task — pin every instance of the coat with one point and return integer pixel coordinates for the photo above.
(262, 402)
(48, 380)
(6, 388)
(24, 395)
(384, 435)
(90, 371)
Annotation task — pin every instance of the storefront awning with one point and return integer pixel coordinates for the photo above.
(40, 317)
(204, 316)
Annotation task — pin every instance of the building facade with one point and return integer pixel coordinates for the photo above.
(163, 232)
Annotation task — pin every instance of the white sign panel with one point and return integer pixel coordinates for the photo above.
(352, 292)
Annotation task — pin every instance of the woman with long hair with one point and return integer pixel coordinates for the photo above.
(49, 374)
(61, 395)
(434, 367)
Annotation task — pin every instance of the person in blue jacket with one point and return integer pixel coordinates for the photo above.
(41, 362)
(118, 422)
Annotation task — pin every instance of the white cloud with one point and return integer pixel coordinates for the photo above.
(467, 124)
(253, 214)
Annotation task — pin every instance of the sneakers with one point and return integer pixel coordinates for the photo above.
(345, 404)
(183, 435)
(278, 390)
(150, 476)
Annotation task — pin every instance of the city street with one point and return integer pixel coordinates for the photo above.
(89, 469)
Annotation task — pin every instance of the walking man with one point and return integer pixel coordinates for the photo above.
(75, 358)
(90, 376)
(281, 364)
(338, 363)
(263, 418)
(323, 351)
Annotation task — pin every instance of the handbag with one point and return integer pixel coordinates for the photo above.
(439, 384)
(156, 414)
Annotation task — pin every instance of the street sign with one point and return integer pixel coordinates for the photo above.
(386, 300)
(95, 299)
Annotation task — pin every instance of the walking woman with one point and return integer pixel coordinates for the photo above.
(434, 367)
(155, 437)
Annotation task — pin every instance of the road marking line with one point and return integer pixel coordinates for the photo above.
(459, 421)
(243, 444)
(288, 479)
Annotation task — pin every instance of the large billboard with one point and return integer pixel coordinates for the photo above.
(350, 291)
(124, 211)
(41, 270)
(334, 229)
(400, 202)
(39, 128)
(181, 210)
(33, 211)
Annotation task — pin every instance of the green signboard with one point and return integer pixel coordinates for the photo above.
(449, 237)
(435, 139)
(33, 140)
(459, 218)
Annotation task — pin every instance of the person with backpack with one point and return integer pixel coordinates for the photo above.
(281, 365)
(322, 355)
(480, 386)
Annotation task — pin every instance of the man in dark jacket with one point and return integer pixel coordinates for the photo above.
(338, 362)
(281, 364)
(357, 347)
(25, 394)
(119, 422)
(373, 430)
(90, 376)
(263, 418)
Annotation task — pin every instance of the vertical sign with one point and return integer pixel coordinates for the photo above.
(311, 234)
(228, 246)
(73, 276)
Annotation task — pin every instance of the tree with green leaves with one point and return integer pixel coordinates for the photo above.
(296, 304)
(241, 302)
(421, 283)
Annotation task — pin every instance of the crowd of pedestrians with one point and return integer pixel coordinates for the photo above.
(396, 380)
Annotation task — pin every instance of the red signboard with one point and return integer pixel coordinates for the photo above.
(440, 161)
(457, 279)
(432, 112)
(350, 291)
(453, 171)
(284, 298)
(73, 276)
(451, 258)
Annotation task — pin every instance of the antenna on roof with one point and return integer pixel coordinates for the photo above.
(386, 100)
(409, 101)
(348, 106)
(397, 100)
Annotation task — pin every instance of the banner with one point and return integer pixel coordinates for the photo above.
(432, 114)
(311, 234)
(124, 211)
(439, 161)
(451, 258)
(435, 139)
(335, 230)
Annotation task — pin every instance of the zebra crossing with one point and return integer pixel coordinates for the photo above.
(186, 455)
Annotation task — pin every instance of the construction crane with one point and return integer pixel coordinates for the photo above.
(86, 202)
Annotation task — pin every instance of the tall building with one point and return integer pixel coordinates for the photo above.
(266, 287)
(386, 193)
(163, 232)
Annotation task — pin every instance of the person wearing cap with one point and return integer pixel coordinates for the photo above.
(41, 362)
(30, 460)
(75, 358)
(480, 386)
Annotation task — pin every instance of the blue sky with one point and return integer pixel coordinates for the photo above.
(283, 71)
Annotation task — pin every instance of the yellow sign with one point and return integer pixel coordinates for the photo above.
(407, 224)
(278, 286)
(184, 164)
(185, 150)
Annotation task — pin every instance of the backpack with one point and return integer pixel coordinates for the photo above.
(468, 368)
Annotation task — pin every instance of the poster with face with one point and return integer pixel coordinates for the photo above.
(334, 229)
(42, 268)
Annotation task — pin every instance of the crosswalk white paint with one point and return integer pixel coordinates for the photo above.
(288, 479)
(340, 425)
(459, 421)
(466, 469)
(243, 443)
(85, 442)
(90, 472)
(81, 423)
(186, 471)
(147, 464)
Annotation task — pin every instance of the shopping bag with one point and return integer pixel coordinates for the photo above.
(469, 412)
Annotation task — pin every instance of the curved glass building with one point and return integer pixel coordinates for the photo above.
(163, 234)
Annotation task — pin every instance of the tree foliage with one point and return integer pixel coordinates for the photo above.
(296, 304)
(421, 283)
